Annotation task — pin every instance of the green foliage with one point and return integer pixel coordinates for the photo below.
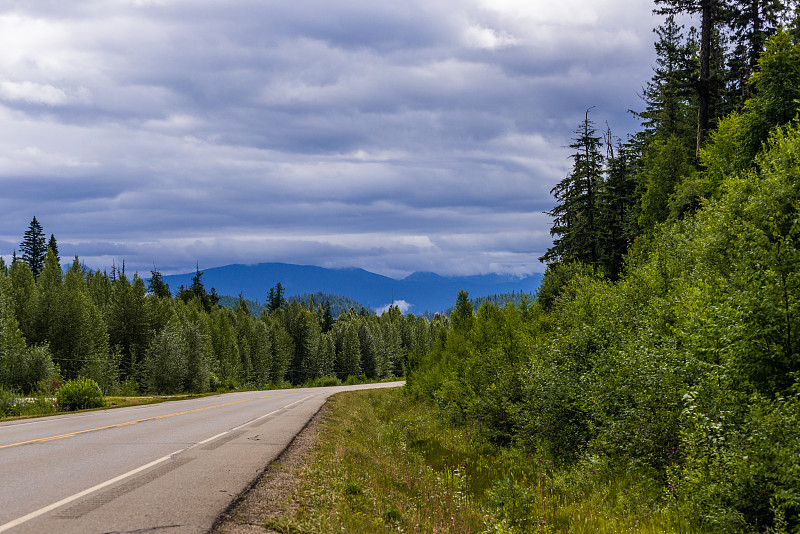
(275, 298)
(336, 303)
(34, 248)
(666, 165)
(80, 394)
(682, 374)
(576, 217)
(21, 367)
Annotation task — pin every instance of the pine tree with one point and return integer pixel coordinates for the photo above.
(576, 218)
(751, 23)
(156, 285)
(33, 247)
(463, 313)
(350, 357)
(23, 298)
(712, 13)
(47, 288)
(53, 245)
(128, 322)
(275, 299)
(669, 95)
(618, 218)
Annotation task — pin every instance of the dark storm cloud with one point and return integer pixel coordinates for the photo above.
(389, 136)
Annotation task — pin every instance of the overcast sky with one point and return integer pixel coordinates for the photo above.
(419, 135)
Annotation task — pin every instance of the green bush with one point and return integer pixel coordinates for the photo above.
(324, 381)
(80, 394)
(8, 403)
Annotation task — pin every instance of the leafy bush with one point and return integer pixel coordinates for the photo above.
(324, 381)
(80, 394)
(8, 403)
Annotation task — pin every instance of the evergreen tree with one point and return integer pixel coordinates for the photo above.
(712, 14)
(669, 95)
(52, 245)
(275, 299)
(47, 288)
(225, 347)
(76, 334)
(156, 285)
(349, 361)
(304, 330)
(128, 322)
(576, 218)
(33, 247)
(618, 218)
(327, 318)
(326, 355)
(369, 343)
(752, 22)
(462, 316)
(23, 298)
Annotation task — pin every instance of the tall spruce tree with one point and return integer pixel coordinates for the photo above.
(275, 299)
(670, 104)
(751, 23)
(712, 14)
(156, 285)
(52, 244)
(576, 218)
(618, 217)
(34, 247)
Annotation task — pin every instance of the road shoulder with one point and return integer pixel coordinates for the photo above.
(271, 496)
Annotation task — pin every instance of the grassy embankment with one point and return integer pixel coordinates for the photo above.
(385, 462)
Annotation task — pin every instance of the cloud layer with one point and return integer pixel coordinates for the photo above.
(396, 137)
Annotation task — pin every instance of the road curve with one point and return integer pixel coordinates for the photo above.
(166, 468)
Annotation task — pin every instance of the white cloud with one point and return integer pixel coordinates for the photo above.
(420, 135)
(32, 92)
(477, 36)
(402, 305)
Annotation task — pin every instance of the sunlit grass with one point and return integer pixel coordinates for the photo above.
(385, 463)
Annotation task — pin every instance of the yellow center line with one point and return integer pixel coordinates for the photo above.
(118, 425)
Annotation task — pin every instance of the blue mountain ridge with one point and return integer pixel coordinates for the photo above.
(424, 291)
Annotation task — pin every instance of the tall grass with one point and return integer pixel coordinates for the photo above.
(386, 463)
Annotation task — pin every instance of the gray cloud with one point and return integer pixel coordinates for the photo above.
(390, 136)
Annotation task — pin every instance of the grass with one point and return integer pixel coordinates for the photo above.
(385, 462)
(42, 405)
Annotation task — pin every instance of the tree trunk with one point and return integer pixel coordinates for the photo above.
(704, 89)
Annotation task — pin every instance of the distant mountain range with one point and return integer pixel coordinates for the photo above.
(417, 293)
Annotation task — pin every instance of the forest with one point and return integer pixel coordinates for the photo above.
(662, 353)
(128, 336)
(660, 356)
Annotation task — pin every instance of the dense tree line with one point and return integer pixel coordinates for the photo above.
(131, 336)
(704, 86)
(666, 351)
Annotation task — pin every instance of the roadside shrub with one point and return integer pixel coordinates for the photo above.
(352, 380)
(324, 381)
(80, 394)
(8, 403)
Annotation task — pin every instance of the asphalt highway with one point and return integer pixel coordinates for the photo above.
(172, 467)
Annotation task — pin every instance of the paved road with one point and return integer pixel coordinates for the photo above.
(164, 468)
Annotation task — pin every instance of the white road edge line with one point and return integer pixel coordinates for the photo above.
(212, 438)
(268, 414)
(297, 402)
(71, 498)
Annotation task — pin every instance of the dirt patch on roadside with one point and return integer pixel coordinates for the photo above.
(272, 495)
